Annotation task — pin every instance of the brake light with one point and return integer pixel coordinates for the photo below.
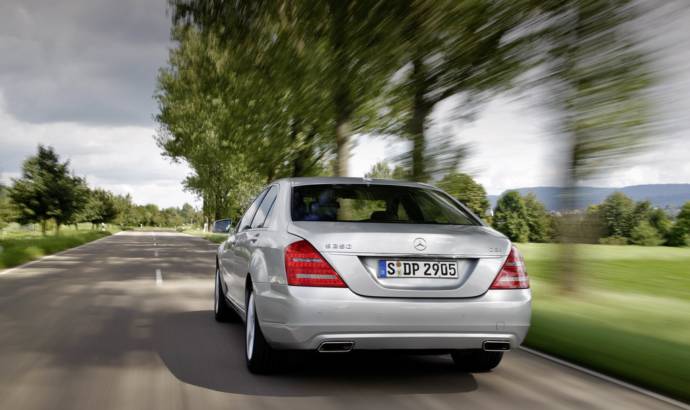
(513, 274)
(305, 266)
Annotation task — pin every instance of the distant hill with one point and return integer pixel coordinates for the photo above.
(660, 195)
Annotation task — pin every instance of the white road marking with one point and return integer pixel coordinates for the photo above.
(155, 253)
(159, 277)
(609, 379)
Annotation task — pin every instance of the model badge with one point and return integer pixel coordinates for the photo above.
(419, 244)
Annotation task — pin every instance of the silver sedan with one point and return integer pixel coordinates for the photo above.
(336, 264)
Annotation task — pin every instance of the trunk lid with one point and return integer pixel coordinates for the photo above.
(355, 250)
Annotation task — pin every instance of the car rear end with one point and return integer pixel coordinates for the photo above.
(384, 265)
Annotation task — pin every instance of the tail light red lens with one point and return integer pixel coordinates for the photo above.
(513, 274)
(305, 266)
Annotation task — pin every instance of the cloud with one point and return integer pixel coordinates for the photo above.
(86, 61)
(123, 159)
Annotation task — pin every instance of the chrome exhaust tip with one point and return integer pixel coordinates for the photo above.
(495, 346)
(335, 347)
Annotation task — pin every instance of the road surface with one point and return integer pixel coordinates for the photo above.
(126, 323)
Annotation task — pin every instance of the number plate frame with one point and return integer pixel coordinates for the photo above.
(426, 269)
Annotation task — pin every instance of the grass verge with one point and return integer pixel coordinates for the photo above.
(18, 249)
(630, 317)
(213, 237)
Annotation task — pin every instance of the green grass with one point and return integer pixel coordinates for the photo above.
(17, 247)
(629, 318)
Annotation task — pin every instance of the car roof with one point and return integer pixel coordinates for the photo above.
(351, 181)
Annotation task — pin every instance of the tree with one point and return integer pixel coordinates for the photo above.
(660, 221)
(598, 78)
(679, 235)
(617, 213)
(101, 207)
(190, 215)
(321, 60)
(6, 211)
(218, 104)
(466, 190)
(46, 190)
(645, 234)
(381, 170)
(125, 210)
(510, 217)
(447, 49)
(538, 219)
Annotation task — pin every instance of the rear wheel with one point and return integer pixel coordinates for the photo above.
(221, 311)
(261, 357)
(476, 360)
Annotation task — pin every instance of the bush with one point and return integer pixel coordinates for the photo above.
(614, 240)
(645, 234)
(677, 236)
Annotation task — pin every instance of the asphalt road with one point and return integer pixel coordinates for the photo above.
(97, 328)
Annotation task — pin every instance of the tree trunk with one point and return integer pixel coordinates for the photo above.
(342, 141)
(57, 228)
(44, 227)
(342, 98)
(567, 265)
(420, 111)
(303, 154)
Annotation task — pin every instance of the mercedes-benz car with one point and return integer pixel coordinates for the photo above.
(340, 264)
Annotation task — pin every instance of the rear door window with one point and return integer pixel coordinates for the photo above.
(246, 220)
(265, 208)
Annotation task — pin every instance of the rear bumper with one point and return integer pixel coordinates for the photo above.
(303, 318)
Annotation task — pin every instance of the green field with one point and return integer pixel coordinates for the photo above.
(21, 246)
(629, 318)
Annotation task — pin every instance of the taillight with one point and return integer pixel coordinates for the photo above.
(305, 266)
(513, 274)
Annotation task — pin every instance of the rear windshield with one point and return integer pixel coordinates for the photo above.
(376, 203)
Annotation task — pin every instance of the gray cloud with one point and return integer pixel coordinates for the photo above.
(87, 61)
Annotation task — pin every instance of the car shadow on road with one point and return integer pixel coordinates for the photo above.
(199, 351)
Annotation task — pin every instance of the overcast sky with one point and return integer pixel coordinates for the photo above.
(79, 75)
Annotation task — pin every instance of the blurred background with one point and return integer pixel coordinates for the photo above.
(564, 123)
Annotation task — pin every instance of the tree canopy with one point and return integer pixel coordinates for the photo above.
(466, 190)
(46, 190)
(510, 217)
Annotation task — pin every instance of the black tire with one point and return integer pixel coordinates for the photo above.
(221, 311)
(476, 361)
(261, 357)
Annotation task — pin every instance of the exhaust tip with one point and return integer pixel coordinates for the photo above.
(335, 347)
(495, 346)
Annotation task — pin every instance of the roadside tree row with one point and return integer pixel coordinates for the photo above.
(48, 194)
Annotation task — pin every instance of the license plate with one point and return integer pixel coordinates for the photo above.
(417, 269)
